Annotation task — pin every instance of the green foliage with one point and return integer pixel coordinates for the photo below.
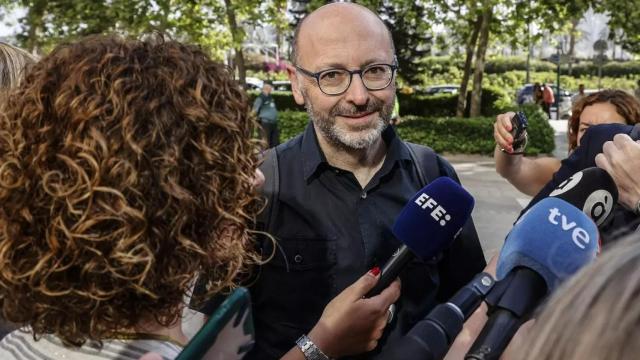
(445, 65)
(49, 22)
(511, 81)
(447, 134)
(291, 123)
(473, 135)
(494, 100)
(284, 100)
(501, 64)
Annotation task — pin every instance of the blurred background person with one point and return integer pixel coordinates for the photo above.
(547, 99)
(538, 97)
(265, 108)
(529, 175)
(580, 95)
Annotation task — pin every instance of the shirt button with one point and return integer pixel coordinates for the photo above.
(364, 195)
(297, 258)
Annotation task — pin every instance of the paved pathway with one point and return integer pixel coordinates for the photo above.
(498, 203)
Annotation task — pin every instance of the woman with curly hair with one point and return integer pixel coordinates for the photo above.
(530, 175)
(126, 171)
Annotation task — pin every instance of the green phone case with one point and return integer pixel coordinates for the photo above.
(228, 334)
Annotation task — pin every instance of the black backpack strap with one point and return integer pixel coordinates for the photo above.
(271, 187)
(426, 162)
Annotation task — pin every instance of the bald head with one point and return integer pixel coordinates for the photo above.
(333, 22)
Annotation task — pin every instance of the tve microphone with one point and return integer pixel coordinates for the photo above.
(592, 190)
(552, 241)
(432, 337)
(426, 226)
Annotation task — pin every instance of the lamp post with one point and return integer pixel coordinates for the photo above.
(558, 83)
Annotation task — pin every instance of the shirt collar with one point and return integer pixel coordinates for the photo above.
(313, 157)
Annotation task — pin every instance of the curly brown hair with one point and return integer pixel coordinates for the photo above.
(126, 171)
(626, 105)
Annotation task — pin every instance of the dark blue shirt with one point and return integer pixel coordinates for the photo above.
(331, 231)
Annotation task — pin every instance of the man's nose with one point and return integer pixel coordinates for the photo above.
(357, 93)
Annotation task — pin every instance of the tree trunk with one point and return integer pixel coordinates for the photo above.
(572, 43)
(35, 22)
(476, 93)
(471, 45)
(237, 42)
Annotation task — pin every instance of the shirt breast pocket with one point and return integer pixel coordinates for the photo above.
(298, 276)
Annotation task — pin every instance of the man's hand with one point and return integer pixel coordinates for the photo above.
(351, 324)
(502, 131)
(621, 159)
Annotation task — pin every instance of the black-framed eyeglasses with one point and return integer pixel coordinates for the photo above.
(337, 81)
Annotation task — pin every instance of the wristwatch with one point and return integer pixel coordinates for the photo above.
(637, 208)
(310, 350)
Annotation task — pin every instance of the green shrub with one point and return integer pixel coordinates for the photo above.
(501, 64)
(471, 135)
(618, 69)
(493, 101)
(440, 65)
(284, 100)
(447, 134)
(291, 123)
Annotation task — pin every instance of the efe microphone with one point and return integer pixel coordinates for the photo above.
(426, 226)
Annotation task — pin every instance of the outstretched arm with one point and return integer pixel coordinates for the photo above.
(527, 175)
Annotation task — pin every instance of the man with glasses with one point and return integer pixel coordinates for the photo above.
(341, 185)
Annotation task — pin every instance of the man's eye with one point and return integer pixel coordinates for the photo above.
(329, 75)
(375, 70)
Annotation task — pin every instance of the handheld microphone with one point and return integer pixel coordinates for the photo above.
(432, 337)
(552, 241)
(426, 226)
(592, 190)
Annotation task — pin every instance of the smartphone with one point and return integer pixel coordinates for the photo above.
(228, 334)
(519, 132)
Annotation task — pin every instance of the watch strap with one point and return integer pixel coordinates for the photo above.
(310, 350)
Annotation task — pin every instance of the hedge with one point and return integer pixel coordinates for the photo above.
(493, 101)
(447, 134)
(284, 100)
(499, 64)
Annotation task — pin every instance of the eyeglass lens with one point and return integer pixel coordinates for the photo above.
(336, 81)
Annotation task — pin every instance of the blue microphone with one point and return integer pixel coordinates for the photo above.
(552, 241)
(426, 226)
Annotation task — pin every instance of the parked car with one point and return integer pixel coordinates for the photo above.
(525, 96)
(282, 85)
(442, 89)
(252, 83)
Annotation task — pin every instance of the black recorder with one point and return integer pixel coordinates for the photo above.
(519, 132)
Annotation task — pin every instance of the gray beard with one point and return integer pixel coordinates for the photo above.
(360, 139)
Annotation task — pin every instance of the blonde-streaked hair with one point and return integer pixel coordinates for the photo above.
(595, 315)
(13, 62)
(126, 170)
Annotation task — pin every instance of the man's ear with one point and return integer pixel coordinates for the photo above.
(295, 88)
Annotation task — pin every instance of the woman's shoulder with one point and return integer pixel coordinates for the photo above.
(20, 344)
